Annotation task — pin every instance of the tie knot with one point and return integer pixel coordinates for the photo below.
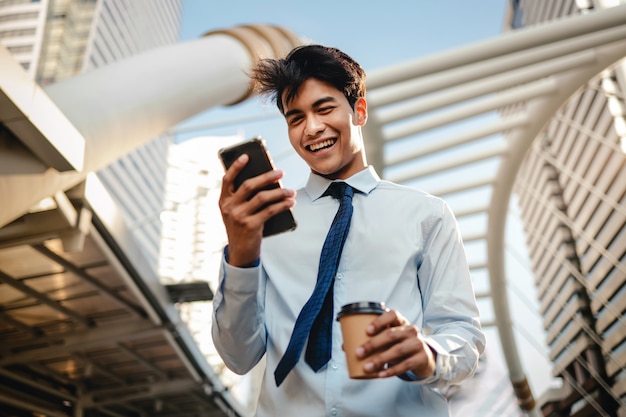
(339, 189)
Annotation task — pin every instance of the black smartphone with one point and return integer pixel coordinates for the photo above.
(259, 162)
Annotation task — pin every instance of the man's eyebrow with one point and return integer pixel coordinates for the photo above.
(323, 100)
(317, 103)
(292, 112)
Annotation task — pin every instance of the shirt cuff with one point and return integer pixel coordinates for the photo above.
(241, 280)
(254, 264)
(411, 377)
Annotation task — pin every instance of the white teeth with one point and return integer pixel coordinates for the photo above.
(321, 145)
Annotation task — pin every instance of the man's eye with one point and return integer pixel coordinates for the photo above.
(325, 110)
(295, 120)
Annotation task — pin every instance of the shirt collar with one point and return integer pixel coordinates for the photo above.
(364, 182)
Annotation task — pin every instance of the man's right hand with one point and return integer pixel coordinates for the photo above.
(243, 218)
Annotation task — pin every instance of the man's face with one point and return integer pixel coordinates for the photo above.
(325, 130)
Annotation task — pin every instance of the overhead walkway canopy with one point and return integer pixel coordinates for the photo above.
(85, 326)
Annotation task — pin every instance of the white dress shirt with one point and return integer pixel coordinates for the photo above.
(404, 249)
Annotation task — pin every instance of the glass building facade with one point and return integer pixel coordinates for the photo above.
(572, 196)
(58, 39)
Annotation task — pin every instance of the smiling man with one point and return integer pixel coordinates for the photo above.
(279, 297)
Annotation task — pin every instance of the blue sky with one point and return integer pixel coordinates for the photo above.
(376, 34)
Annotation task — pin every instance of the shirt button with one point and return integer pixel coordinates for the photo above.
(334, 366)
(333, 411)
(339, 275)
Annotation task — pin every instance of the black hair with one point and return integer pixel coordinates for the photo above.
(274, 77)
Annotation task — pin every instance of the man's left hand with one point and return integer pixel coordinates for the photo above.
(396, 347)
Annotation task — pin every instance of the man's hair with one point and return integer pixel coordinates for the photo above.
(274, 77)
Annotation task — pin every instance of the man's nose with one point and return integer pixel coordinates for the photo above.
(313, 126)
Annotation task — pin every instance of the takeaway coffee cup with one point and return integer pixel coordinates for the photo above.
(354, 319)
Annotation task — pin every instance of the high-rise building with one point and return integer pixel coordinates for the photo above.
(571, 190)
(21, 31)
(58, 39)
(193, 234)
(192, 242)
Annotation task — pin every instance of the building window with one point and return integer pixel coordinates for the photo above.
(20, 49)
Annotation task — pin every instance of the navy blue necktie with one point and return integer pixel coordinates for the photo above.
(315, 318)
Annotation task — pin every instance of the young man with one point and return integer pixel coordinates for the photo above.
(403, 248)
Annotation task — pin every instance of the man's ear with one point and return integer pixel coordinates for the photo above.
(360, 107)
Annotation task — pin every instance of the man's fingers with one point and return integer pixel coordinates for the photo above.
(251, 185)
(271, 200)
(390, 318)
(406, 355)
(228, 180)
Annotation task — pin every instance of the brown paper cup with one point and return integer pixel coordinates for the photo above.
(354, 319)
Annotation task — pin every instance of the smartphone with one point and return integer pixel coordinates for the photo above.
(259, 162)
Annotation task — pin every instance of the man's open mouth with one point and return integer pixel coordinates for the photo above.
(321, 145)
